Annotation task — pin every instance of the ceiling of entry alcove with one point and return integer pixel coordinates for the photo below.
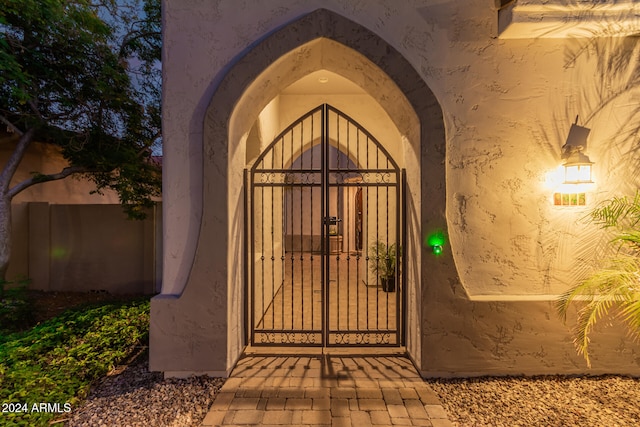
(315, 83)
(318, 87)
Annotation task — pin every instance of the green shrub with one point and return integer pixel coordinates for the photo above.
(15, 306)
(56, 361)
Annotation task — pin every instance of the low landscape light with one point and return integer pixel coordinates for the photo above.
(436, 241)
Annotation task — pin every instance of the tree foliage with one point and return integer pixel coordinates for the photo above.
(85, 77)
(614, 288)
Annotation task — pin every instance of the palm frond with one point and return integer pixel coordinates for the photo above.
(618, 211)
(629, 238)
(630, 314)
(616, 284)
(588, 316)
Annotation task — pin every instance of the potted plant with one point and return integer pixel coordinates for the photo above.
(382, 258)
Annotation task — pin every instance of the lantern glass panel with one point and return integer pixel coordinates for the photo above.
(577, 173)
(584, 173)
(571, 173)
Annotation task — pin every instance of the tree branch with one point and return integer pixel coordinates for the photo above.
(39, 178)
(132, 36)
(15, 159)
(11, 126)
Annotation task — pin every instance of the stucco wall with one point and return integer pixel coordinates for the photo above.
(85, 247)
(45, 158)
(66, 239)
(507, 107)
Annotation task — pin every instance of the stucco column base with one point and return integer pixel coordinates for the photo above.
(183, 334)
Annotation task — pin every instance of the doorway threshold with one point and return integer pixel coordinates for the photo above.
(320, 351)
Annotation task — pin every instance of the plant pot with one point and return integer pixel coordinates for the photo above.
(388, 284)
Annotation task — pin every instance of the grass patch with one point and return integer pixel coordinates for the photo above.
(55, 362)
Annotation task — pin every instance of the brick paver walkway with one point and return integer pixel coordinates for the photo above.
(326, 391)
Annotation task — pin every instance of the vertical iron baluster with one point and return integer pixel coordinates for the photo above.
(262, 253)
(386, 188)
(347, 226)
(337, 193)
(402, 229)
(273, 235)
(378, 235)
(262, 269)
(311, 167)
(367, 257)
(301, 226)
(292, 251)
(402, 299)
(285, 229)
(245, 252)
(358, 255)
(324, 231)
(253, 260)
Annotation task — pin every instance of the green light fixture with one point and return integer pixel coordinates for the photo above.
(436, 242)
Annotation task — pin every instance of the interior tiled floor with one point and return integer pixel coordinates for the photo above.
(358, 306)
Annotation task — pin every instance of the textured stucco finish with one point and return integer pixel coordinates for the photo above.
(527, 19)
(506, 105)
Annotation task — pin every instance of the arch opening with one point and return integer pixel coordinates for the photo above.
(321, 272)
(213, 293)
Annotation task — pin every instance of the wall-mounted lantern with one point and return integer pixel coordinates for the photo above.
(577, 168)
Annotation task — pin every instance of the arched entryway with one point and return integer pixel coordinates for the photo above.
(197, 325)
(325, 230)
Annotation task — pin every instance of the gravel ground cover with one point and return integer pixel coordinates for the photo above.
(136, 397)
(132, 396)
(605, 401)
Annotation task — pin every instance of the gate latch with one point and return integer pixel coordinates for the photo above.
(332, 220)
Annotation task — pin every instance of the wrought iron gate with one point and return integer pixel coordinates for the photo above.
(324, 237)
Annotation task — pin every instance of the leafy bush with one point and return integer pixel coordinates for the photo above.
(55, 362)
(15, 306)
(614, 288)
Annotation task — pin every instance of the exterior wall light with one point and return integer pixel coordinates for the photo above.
(577, 169)
(436, 241)
(578, 176)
